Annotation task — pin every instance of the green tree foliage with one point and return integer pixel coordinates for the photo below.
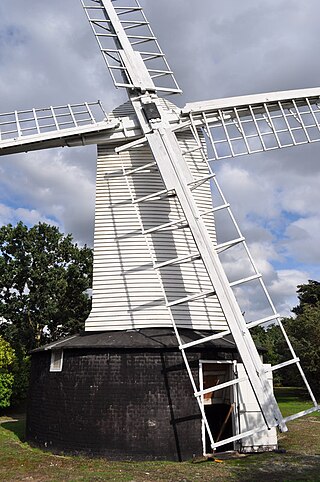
(7, 360)
(21, 373)
(43, 283)
(308, 295)
(304, 332)
(269, 339)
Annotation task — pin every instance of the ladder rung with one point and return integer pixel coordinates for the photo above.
(221, 386)
(181, 259)
(125, 12)
(202, 294)
(112, 35)
(142, 37)
(139, 169)
(213, 210)
(245, 280)
(234, 438)
(162, 193)
(263, 320)
(130, 145)
(91, 7)
(158, 71)
(228, 244)
(205, 339)
(222, 334)
(190, 151)
(281, 365)
(99, 20)
(114, 67)
(156, 76)
(154, 54)
(165, 225)
(135, 22)
(130, 9)
(195, 184)
(111, 53)
(142, 41)
(301, 414)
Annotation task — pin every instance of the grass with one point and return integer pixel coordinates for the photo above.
(293, 400)
(300, 462)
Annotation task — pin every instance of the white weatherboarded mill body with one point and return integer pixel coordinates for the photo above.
(127, 293)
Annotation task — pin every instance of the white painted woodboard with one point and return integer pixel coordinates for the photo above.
(127, 293)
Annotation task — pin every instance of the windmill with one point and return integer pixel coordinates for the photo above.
(158, 259)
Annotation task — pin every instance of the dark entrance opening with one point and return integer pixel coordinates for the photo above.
(218, 405)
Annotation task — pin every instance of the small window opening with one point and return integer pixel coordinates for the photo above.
(56, 360)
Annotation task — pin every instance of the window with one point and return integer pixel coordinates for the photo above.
(56, 360)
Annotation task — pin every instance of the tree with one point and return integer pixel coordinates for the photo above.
(7, 359)
(304, 332)
(269, 338)
(44, 279)
(308, 295)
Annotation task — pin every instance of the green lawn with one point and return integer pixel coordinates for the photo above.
(293, 400)
(301, 462)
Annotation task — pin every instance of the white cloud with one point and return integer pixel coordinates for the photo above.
(63, 191)
(48, 56)
(303, 240)
(283, 288)
(27, 216)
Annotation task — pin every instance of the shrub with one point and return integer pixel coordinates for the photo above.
(7, 360)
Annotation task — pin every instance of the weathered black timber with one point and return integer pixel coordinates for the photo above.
(122, 395)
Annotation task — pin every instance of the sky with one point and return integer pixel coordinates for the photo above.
(48, 56)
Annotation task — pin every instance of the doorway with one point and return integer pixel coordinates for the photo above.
(219, 406)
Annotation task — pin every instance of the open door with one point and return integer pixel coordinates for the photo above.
(233, 409)
(219, 406)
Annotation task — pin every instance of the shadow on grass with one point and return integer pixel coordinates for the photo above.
(291, 393)
(18, 427)
(274, 467)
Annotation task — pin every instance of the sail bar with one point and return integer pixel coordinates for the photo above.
(129, 47)
(33, 129)
(238, 126)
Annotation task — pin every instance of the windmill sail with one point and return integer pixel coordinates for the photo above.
(65, 125)
(247, 125)
(129, 47)
(181, 182)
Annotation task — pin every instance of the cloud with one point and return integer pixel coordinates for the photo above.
(48, 56)
(302, 240)
(27, 216)
(283, 288)
(62, 191)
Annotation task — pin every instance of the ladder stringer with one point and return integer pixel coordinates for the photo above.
(129, 47)
(169, 305)
(246, 355)
(256, 276)
(165, 148)
(180, 182)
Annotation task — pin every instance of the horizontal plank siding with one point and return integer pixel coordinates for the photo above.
(127, 292)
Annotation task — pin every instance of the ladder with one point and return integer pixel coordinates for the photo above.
(221, 287)
(129, 47)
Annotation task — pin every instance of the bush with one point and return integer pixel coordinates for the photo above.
(21, 372)
(7, 361)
